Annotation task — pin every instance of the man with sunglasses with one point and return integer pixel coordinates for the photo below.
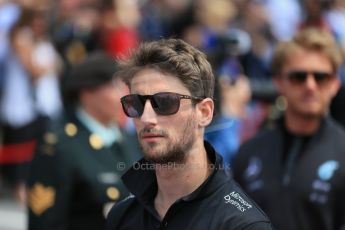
(180, 183)
(295, 170)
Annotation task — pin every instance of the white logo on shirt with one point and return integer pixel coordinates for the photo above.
(235, 199)
(321, 187)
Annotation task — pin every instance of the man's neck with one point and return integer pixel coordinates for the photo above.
(302, 125)
(175, 183)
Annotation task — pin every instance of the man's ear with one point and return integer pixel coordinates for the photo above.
(205, 111)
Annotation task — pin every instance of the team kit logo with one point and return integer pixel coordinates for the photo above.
(236, 200)
(321, 186)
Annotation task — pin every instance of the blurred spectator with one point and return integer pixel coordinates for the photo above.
(151, 25)
(120, 21)
(211, 20)
(75, 175)
(225, 132)
(30, 95)
(295, 170)
(74, 29)
(314, 14)
(254, 20)
(284, 17)
(175, 15)
(336, 20)
(9, 13)
(214, 32)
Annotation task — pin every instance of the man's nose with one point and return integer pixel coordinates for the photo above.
(149, 116)
(310, 81)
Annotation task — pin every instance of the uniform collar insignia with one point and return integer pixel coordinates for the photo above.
(95, 141)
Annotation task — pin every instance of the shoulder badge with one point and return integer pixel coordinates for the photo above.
(41, 198)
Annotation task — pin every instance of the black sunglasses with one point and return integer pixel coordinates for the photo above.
(299, 77)
(165, 103)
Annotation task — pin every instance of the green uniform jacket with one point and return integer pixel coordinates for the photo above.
(74, 178)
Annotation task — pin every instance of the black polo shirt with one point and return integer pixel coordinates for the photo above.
(314, 196)
(217, 204)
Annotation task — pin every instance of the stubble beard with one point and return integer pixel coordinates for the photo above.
(302, 109)
(317, 114)
(175, 150)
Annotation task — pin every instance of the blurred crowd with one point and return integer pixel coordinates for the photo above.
(41, 40)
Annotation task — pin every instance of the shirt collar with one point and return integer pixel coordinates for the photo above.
(141, 181)
(109, 135)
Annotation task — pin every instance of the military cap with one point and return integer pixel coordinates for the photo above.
(95, 70)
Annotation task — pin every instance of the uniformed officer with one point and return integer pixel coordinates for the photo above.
(75, 174)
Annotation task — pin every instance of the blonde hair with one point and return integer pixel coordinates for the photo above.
(312, 39)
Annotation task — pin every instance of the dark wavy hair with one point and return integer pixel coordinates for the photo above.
(175, 57)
